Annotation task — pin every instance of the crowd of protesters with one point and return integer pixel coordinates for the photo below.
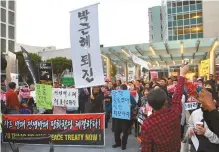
(161, 100)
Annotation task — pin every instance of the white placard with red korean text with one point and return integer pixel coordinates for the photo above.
(85, 47)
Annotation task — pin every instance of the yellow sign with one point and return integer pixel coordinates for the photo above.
(205, 67)
(190, 75)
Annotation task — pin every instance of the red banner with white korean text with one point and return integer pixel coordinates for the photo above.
(70, 129)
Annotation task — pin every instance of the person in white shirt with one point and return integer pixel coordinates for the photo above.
(202, 132)
(197, 116)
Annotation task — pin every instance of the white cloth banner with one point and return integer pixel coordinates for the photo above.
(85, 47)
(65, 97)
(139, 61)
(191, 105)
(14, 78)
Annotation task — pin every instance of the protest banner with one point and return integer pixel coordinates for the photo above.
(44, 96)
(191, 105)
(14, 78)
(65, 97)
(67, 81)
(72, 129)
(154, 74)
(205, 67)
(121, 104)
(85, 47)
(46, 73)
(28, 63)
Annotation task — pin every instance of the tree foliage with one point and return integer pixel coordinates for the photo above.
(24, 73)
(59, 65)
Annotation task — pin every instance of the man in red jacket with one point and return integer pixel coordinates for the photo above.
(161, 131)
(12, 100)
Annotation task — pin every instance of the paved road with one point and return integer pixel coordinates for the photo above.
(132, 146)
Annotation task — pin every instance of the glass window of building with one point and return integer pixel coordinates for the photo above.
(169, 11)
(179, 4)
(187, 29)
(3, 3)
(179, 9)
(168, 4)
(187, 22)
(180, 37)
(11, 46)
(187, 36)
(11, 32)
(173, 4)
(11, 18)
(193, 21)
(170, 24)
(180, 17)
(200, 35)
(194, 36)
(174, 10)
(186, 8)
(174, 37)
(3, 30)
(199, 20)
(3, 15)
(3, 45)
(170, 38)
(174, 23)
(192, 2)
(11, 5)
(180, 22)
(199, 6)
(198, 1)
(192, 7)
(185, 3)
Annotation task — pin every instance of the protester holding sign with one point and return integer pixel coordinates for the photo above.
(122, 117)
(97, 98)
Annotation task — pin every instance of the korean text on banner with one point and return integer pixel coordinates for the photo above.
(191, 105)
(44, 96)
(85, 47)
(121, 104)
(72, 129)
(205, 67)
(65, 97)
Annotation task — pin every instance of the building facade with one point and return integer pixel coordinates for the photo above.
(155, 24)
(183, 19)
(8, 25)
(8, 37)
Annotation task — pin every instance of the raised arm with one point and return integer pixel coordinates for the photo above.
(176, 101)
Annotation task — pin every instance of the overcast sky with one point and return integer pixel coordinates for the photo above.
(46, 22)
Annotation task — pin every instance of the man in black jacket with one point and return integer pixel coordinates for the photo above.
(210, 112)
